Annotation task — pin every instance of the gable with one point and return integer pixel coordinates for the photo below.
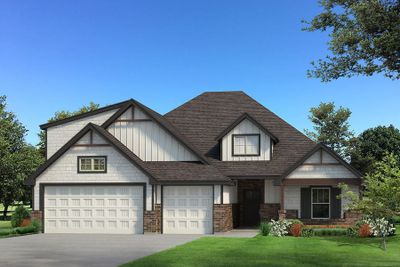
(58, 135)
(246, 127)
(321, 165)
(147, 139)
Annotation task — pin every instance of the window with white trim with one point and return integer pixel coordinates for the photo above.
(92, 164)
(320, 203)
(245, 145)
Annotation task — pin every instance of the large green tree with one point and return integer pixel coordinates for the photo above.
(17, 159)
(372, 145)
(332, 128)
(63, 114)
(364, 38)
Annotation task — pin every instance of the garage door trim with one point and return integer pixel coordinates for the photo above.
(43, 185)
(162, 202)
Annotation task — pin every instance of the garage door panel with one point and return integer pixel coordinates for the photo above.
(93, 209)
(187, 209)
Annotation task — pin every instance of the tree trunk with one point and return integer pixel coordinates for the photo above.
(5, 212)
(384, 243)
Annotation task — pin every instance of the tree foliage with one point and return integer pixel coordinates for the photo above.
(331, 127)
(17, 159)
(62, 114)
(364, 38)
(372, 145)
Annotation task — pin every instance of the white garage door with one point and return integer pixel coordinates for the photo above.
(187, 210)
(93, 209)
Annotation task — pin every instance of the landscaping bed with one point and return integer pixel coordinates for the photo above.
(20, 224)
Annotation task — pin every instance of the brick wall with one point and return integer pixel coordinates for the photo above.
(269, 211)
(152, 220)
(223, 217)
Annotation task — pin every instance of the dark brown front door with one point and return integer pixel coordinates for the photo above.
(251, 203)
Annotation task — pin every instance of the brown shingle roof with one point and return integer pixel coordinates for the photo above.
(204, 117)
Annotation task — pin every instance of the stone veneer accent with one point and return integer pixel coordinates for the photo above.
(223, 217)
(152, 220)
(269, 211)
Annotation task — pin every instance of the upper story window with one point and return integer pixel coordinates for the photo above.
(245, 145)
(95, 164)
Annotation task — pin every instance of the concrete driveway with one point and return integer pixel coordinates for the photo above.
(83, 249)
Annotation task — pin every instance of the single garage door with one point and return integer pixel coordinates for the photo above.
(93, 209)
(187, 209)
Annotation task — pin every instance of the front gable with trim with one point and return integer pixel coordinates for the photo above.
(65, 169)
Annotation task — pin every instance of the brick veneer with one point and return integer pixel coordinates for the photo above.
(269, 211)
(152, 220)
(223, 217)
(36, 214)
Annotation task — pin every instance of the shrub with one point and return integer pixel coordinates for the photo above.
(19, 215)
(380, 227)
(307, 232)
(265, 228)
(352, 231)
(364, 230)
(37, 224)
(330, 231)
(295, 221)
(280, 227)
(295, 229)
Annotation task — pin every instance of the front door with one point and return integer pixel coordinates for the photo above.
(252, 200)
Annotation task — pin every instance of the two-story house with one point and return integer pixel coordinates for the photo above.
(219, 161)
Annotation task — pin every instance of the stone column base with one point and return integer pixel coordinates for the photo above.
(282, 214)
(269, 211)
(152, 220)
(37, 214)
(223, 217)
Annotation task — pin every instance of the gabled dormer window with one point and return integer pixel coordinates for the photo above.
(245, 144)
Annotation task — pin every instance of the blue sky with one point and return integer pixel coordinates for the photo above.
(63, 54)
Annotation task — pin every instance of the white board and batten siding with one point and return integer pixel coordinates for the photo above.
(59, 135)
(246, 127)
(272, 193)
(314, 168)
(148, 140)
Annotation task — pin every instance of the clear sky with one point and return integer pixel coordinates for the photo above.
(63, 54)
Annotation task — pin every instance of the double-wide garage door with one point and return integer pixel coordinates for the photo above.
(93, 209)
(187, 210)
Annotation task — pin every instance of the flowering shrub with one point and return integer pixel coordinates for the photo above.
(364, 230)
(307, 232)
(280, 227)
(380, 227)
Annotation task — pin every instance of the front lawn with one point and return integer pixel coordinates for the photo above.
(275, 251)
(5, 225)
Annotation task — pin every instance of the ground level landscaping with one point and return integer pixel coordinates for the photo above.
(278, 251)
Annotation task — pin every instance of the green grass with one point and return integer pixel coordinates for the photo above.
(275, 251)
(5, 225)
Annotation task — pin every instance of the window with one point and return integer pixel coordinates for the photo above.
(320, 203)
(245, 145)
(92, 164)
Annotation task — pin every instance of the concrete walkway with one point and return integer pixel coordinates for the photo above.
(83, 249)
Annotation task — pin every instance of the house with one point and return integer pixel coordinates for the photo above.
(219, 161)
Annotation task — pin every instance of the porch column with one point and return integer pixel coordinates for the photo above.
(282, 211)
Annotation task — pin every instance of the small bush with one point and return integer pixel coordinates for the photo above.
(307, 232)
(37, 224)
(280, 227)
(352, 232)
(20, 213)
(295, 221)
(295, 229)
(265, 228)
(330, 231)
(364, 230)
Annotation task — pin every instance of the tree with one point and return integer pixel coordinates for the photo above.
(364, 38)
(59, 115)
(372, 145)
(332, 128)
(381, 197)
(17, 159)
